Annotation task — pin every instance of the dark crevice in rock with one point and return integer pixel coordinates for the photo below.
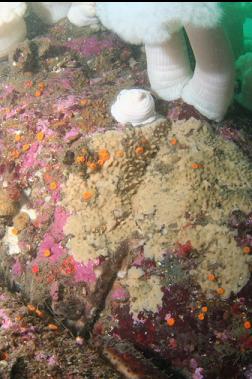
(18, 370)
(104, 285)
(130, 362)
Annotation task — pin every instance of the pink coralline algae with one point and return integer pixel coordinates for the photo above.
(60, 218)
(52, 361)
(41, 356)
(91, 46)
(85, 273)
(230, 134)
(6, 322)
(55, 248)
(120, 294)
(53, 237)
(138, 262)
(54, 291)
(8, 90)
(56, 194)
(72, 134)
(198, 373)
(17, 269)
(68, 103)
(44, 126)
(15, 111)
(30, 157)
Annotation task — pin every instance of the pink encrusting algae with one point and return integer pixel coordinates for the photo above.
(120, 293)
(6, 322)
(30, 159)
(56, 249)
(91, 46)
(52, 239)
(60, 219)
(17, 269)
(71, 134)
(85, 272)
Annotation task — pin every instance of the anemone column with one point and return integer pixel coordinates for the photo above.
(168, 67)
(211, 88)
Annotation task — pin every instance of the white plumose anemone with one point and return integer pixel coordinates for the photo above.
(134, 106)
(83, 13)
(51, 12)
(12, 26)
(159, 27)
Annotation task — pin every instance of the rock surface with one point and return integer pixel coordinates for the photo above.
(136, 238)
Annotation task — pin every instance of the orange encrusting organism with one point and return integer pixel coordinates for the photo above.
(173, 141)
(40, 136)
(247, 249)
(87, 195)
(39, 313)
(247, 325)
(31, 308)
(15, 231)
(220, 291)
(201, 316)
(139, 150)
(119, 154)
(84, 102)
(80, 159)
(18, 137)
(171, 321)
(53, 327)
(211, 277)
(26, 147)
(53, 186)
(15, 154)
(38, 93)
(104, 155)
(196, 166)
(47, 253)
(92, 165)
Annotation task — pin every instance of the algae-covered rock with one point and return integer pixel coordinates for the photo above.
(141, 235)
(8, 206)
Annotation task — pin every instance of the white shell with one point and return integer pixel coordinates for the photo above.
(134, 106)
(83, 14)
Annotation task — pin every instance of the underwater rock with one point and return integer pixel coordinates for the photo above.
(135, 234)
(23, 58)
(8, 206)
(21, 221)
